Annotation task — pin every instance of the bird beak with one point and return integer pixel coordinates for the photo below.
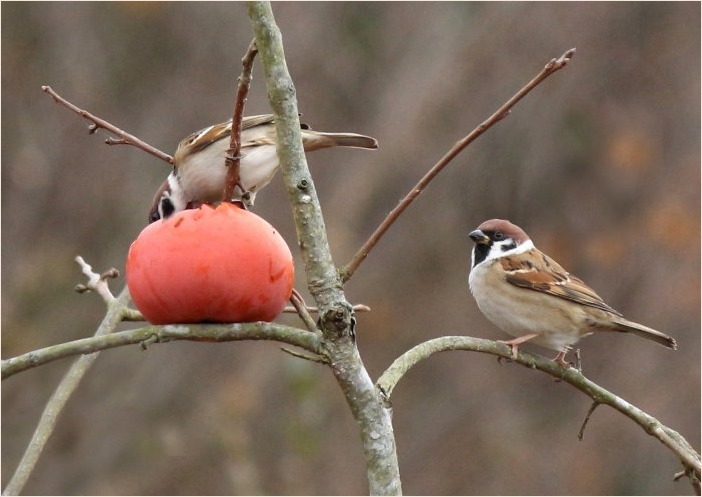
(479, 237)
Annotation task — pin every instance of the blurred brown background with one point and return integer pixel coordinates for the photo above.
(600, 165)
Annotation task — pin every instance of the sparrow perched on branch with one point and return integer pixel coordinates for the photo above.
(199, 172)
(531, 297)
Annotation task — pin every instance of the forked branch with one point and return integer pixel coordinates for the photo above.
(54, 407)
(669, 437)
(550, 68)
(98, 123)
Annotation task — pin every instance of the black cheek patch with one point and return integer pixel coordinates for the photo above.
(167, 208)
(508, 246)
(481, 252)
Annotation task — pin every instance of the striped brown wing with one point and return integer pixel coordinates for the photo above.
(203, 138)
(536, 271)
(251, 121)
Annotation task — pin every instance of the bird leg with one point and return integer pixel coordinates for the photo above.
(560, 359)
(515, 342)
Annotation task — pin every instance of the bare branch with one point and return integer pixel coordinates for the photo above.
(233, 155)
(96, 282)
(594, 405)
(60, 396)
(553, 66)
(336, 319)
(670, 438)
(313, 358)
(313, 309)
(159, 334)
(301, 308)
(694, 479)
(115, 141)
(98, 123)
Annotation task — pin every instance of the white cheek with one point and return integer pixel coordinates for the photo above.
(176, 195)
(496, 249)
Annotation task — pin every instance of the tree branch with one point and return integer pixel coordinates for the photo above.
(594, 405)
(312, 309)
(96, 282)
(160, 334)
(550, 68)
(322, 277)
(336, 315)
(63, 392)
(670, 438)
(301, 308)
(233, 155)
(97, 123)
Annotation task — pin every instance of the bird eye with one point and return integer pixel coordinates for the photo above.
(499, 235)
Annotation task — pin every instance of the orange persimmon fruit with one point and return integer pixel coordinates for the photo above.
(210, 265)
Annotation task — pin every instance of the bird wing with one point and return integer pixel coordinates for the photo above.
(251, 121)
(203, 138)
(536, 271)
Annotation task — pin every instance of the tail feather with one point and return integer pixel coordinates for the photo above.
(623, 325)
(314, 140)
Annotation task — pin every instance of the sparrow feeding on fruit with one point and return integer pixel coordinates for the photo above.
(199, 172)
(531, 297)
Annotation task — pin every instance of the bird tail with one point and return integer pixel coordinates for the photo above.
(623, 325)
(314, 140)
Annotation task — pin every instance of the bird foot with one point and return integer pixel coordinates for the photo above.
(516, 342)
(560, 360)
(514, 347)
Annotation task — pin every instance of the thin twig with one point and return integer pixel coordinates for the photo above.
(314, 358)
(58, 400)
(98, 123)
(550, 68)
(312, 309)
(96, 282)
(233, 155)
(301, 308)
(689, 472)
(594, 405)
(129, 314)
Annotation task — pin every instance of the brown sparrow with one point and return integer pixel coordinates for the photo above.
(531, 297)
(199, 171)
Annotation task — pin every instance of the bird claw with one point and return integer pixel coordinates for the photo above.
(515, 342)
(560, 360)
(514, 351)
